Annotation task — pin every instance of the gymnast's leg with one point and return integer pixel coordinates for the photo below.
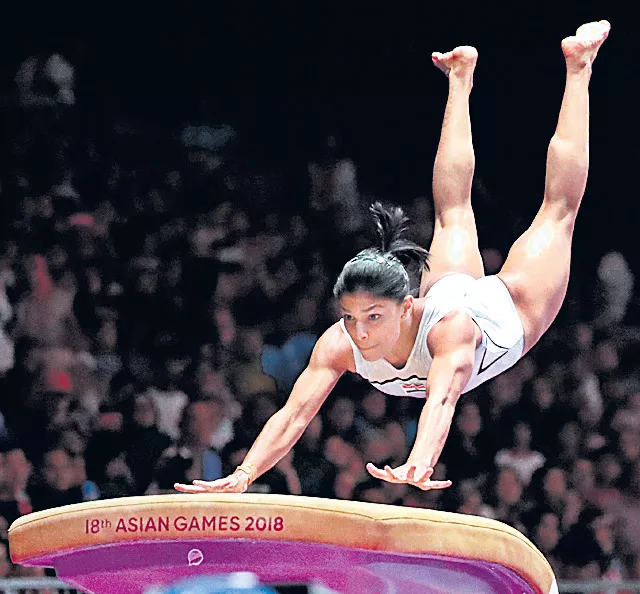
(537, 268)
(455, 240)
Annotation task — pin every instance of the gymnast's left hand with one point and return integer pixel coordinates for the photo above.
(418, 475)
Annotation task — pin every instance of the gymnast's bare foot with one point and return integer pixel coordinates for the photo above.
(580, 50)
(459, 62)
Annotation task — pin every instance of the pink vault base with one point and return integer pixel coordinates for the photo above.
(133, 567)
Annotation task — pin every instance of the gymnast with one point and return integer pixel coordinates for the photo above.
(464, 328)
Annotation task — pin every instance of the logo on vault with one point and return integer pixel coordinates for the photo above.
(195, 557)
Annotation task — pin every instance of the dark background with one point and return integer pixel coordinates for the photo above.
(286, 74)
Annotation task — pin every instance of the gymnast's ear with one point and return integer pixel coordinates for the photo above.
(407, 305)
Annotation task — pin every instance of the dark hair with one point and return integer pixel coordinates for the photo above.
(382, 271)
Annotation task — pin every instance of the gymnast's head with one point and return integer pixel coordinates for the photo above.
(374, 289)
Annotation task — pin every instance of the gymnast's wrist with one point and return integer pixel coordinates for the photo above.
(251, 470)
(420, 460)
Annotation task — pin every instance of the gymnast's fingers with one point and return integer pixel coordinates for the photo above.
(376, 472)
(392, 477)
(189, 488)
(217, 485)
(425, 476)
(434, 485)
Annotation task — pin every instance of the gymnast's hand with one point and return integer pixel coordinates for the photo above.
(238, 482)
(418, 475)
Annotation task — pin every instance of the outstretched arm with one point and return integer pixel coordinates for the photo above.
(330, 359)
(452, 343)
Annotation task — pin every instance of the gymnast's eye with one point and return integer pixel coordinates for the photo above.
(348, 317)
(374, 317)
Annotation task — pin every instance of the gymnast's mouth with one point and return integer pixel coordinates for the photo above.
(365, 349)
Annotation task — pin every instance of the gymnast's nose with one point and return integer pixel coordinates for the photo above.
(361, 332)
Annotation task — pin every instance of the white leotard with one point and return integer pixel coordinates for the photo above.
(487, 301)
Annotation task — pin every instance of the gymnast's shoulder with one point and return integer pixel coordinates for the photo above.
(333, 351)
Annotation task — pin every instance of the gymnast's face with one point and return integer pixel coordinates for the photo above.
(374, 323)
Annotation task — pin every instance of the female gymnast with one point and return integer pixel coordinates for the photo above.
(465, 328)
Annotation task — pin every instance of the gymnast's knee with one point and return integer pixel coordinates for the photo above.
(561, 211)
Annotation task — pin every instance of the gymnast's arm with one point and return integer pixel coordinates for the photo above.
(331, 357)
(452, 344)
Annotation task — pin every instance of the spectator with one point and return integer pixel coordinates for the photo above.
(283, 478)
(317, 475)
(373, 411)
(144, 443)
(192, 454)
(606, 493)
(45, 81)
(546, 415)
(5, 564)
(105, 444)
(46, 316)
(627, 418)
(343, 455)
(506, 498)
(468, 454)
(583, 479)
(586, 551)
(614, 289)
(16, 472)
(7, 359)
(546, 536)
(570, 444)
(53, 485)
(247, 375)
(168, 396)
(500, 410)
(118, 479)
(470, 500)
(340, 418)
(520, 457)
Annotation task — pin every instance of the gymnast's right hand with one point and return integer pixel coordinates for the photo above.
(238, 482)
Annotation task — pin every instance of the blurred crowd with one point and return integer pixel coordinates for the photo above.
(160, 293)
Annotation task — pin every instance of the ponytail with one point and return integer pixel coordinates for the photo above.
(391, 223)
(382, 271)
